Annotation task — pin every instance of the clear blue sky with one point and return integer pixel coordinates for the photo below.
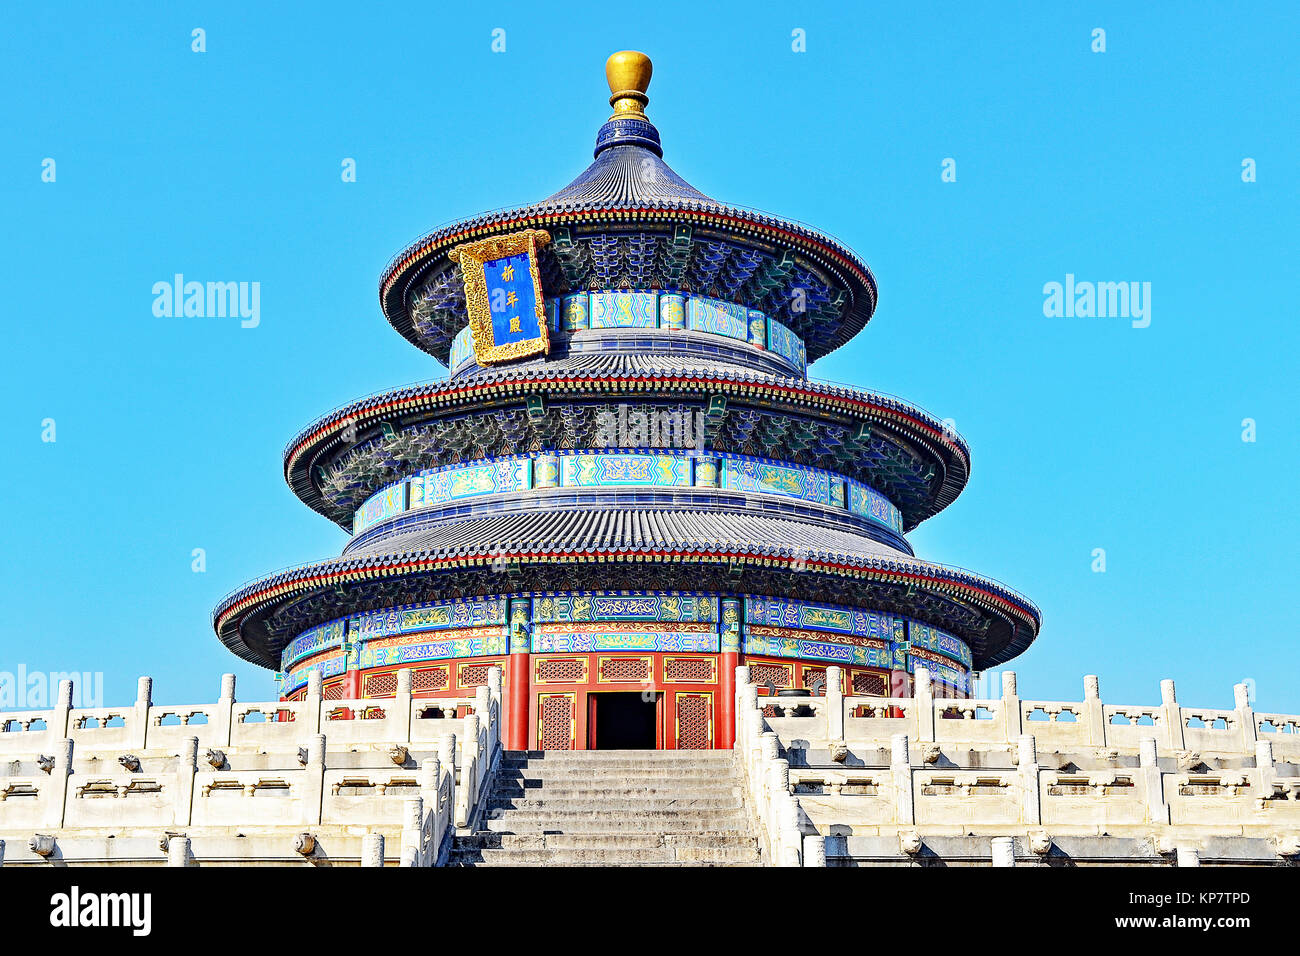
(1086, 433)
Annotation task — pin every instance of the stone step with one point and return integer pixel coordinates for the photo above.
(611, 782)
(686, 855)
(613, 808)
(602, 772)
(602, 803)
(600, 794)
(599, 756)
(649, 840)
(585, 821)
(471, 862)
(607, 756)
(617, 766)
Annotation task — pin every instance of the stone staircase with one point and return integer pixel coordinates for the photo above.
(613, 808)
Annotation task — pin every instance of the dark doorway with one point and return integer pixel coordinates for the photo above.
(624, 722)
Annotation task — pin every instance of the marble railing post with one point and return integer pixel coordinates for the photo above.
(59, 725)
(788, 814)
(483, 707)
(495, 680)
(178, 851)
(1027, 766)
(834, 703)
(402, 706)
(773, 783)
(57, 788)
(430, 789)
(742, 680)
(1171, 715)
(767, 785)
(1188, 856)
(900, 766)
(447, 803)
(311, 717)
(187, 765)
(469, 771)
(1152, 782)
(225, 712)
(470, 745)
(783, 820)
(814, 850)
(372, 849)
(1011, 716)
(924, 704)
(412, 831)
(314, 780)
(1004, 851)
(739, 696)
(1094, 714)
(1245, 715)
(430, 778)
(746, 707)
(1265, 773)
(140, 715)
(447, 753)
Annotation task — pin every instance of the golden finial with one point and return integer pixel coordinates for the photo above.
(628, 73)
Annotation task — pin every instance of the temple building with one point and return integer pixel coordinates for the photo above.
(627, 485)
(628, 524)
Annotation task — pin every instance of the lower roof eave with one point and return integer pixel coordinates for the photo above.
(240, 619)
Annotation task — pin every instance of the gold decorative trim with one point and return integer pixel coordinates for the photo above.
(471, 257)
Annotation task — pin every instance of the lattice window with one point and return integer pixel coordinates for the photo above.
(380, 685)
(693, 722)
(473, 675)
(815, 675)
(430, 679)
(779, 675)
(564, 670)
(624, 669)
(333, 691)
(867, 684)
(557, 722)
(698, 670)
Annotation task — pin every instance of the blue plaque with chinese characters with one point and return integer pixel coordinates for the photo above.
(511, 300)
(503, 296)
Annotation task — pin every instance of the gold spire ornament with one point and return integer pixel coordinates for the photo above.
(628, 73)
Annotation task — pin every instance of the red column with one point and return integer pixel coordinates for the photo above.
(518, 692)
(729, 635)
(352, 689)
(727, 705)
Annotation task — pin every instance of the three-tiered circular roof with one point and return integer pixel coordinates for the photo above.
(629, 222)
